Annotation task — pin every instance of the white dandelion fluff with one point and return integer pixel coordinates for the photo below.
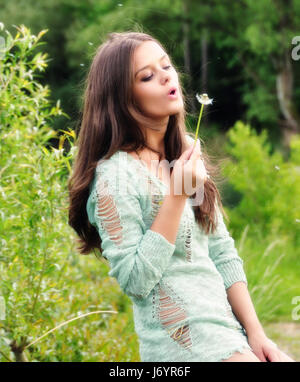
(203, 99)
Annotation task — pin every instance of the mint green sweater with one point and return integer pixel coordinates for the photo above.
(178, 291)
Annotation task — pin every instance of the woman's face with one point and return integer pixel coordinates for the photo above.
(153, 83)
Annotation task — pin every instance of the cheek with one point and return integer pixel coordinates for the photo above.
(145, 94)
(138, 95)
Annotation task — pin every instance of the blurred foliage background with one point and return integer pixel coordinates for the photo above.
(242, 54)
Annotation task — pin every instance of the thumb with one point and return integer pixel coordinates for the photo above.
(187, 153)
(262, 356)
(197, 149)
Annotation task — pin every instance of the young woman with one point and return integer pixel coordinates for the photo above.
(132, 197)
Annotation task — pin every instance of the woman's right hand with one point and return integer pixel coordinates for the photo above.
(189, 172)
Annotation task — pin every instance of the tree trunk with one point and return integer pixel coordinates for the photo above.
(186, 53)
(204, 65)
(18, 350)
(285, 79)
(284, 87)
(20, 357)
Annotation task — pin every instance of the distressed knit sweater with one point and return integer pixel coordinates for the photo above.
(178, 291)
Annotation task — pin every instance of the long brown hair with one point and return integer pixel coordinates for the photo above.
(110, 122)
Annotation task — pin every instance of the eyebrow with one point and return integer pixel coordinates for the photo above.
(148, 65)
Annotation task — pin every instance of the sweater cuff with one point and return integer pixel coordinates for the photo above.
(158, 250)
(232, 271)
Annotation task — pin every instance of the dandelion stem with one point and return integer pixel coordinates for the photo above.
(199, 119)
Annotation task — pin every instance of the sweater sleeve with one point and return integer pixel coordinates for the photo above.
(224, 254)
(137, 256)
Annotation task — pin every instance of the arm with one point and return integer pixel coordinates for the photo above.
(263, 347)
(168, 218)
(242, 306)
(230, 265)
(137, 257)
(223, 253)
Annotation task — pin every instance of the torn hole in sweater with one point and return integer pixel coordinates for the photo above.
(107, 211)
(156, 197)
(188, 244)
(156, 202)
(173, 318)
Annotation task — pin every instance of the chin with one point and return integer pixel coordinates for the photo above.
(176, 110)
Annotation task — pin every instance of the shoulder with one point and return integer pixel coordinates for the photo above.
(107, 163)
(116, 173)
(112, 181)
(115, 166)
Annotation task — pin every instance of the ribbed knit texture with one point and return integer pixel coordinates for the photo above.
(180, 306)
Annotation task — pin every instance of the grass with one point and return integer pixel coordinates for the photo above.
(111, 338)
(287, 337)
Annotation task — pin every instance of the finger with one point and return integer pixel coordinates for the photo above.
(286, 358)
(199, 144)
(261, 355)
(262, 358)
(197, 150)
(273, 356)
(187, 153)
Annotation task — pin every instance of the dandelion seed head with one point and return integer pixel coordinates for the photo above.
(204, 99)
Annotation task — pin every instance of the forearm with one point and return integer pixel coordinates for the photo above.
(242, 306)
(168, 218)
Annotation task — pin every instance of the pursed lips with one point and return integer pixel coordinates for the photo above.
(172, 90)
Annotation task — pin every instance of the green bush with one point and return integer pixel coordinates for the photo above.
(46, 287)
(269, 186)
(266, 218)
(34, 240)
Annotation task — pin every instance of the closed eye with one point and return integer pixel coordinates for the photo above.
(148, 78)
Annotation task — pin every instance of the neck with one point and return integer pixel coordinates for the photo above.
(155, 135)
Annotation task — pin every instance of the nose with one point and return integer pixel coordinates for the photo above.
(165, 77)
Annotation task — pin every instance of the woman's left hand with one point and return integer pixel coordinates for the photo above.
(265, 349)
